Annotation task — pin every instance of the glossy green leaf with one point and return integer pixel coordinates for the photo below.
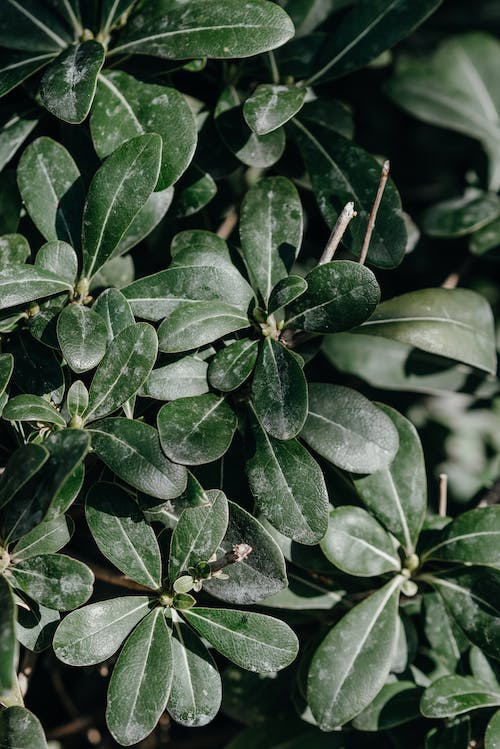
(358, 545)
(484, 669)
(31, 26)
(112, 10)
(59, 258)
(196, 430)
(270, 106)
(8, 650)
(202, 30)
(304, 594)
(32, 408)
(285, 292)
(453, 695)
(195, 190)
(456, 323)
(95, 632)
(35, 626)
(279, 391)
(288, 487)
(472, 538)
(261, 574)
(460, 216)
(271, 227)
(122, 534)
(118, 191)
(15, 67)
(52, 190)
(253, 641)
(358, 649)
(330, 113)
(46, 538)
(194, 324)
(232, 365)
(346, 429)
(341, 172)
(198, 534)
(131, 449)
(368, 30)
(114, 309)
(127, 363)
(125, 107)
(445, 636)
(397, 494)
(141, 681)
(20, 729)
(54, 580)
(182, 379)
(251, 149)
(154, 297)
(455, 89)
(6, 367)
(14, 249)
(82, 337)
(196, 688)
(197, 247)
(77, 399)
(20, 284)
(492, 736)
(21, 466)
(68, 85)
(150, 215)
(339, 296)
(118, 272)
(396, 703)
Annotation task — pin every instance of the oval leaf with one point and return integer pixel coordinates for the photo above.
(454, 695)
(232, 365)
(270, 106)
(472, 538)
(32, 408)
(20, 729)
(20, 284)
(54, 580)
(82, 336)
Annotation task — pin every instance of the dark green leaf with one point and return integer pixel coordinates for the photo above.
(472, 538)
(125, 107)
(46, 538)
(285, 292)
(112, 10)
(270, 106)
(20, 284)
(484, 669)
(8, 650)
(30, 25)
(150, 215)
(114, 309)
(59, 258)
(460, 216)
(232, 365)
(77, 399)
(196, 430)
(52, 190)
(396, 703)
(332, 114)
(485, 239)
(304, 594)
(6, 367)
(195, 324)
(94, 633)
(358, 650)
(123, 535)
(54, 580)
(279, 391)
(492, 736)
(341, 172)
(195, 190)
(20, 729)
(14, 249)
(67, 492)
(453, 695)
(445, 636)
(118, 191)
(127, 363)
(182, 379)
(15, 67)
(253, 641)
(36, 626)
(68, 85)
(358, 545)
(37, 371)
(348, 430)
(82, 336)
(197, 247)
(339, 296)
(141, 681)
(21, 466)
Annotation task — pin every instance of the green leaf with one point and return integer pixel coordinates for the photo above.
(492, 736)
(232, 365)
(6, 368)
(150, 215)
(196, 430)
(339, 296)
(20, 284)
(182, 379)
(358, 650)
(304, 594)
(397, 494)
(271, 227)
(141, 681)
(270, 106)
(31, 26)
(349, 431)
(54, 580)
(14, 249)
(396, 703)
(195, 190)
(77, 399)
(196, 688)
(358, 545)
(114, 309)
(485, 239)
(154, 297)
(454, 695)
(253, 641)
(202, 29)
(472, 538)
(288, 487)
(17, 124)
(94, 633)
(24, 463)
(8, 650)
(445, 636)
(285, 292)
(46, 538)
(32, 408)
(111, 12)
(456, 734)
(131, 449)
(52, 190)
(261, 574)
(341, 172)
(197, 535)
(68, 85)
(471, 595)
(251, 149)
(458, 217)
(279, 391)
(127, 363)
(15, 67)
(59, 258)
(37, 371)
(194, 324)
(20, 729)
(67, 493)
(35, 626)
(197, 247)
(82, 336)
(455, 89)
(118, 191)
(125, 107)
(122, 534)
(456, 323)
(483, 668)
(368, 30)
(330, 113)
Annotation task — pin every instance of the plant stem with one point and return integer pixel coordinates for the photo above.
(373, 215)
(225, 229)
(443, 494)
(348, 213)
(238, 553)
(275, 73)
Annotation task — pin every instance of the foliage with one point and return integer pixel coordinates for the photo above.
(196, 429)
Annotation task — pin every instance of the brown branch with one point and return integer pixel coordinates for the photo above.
(225, 229)
(238, 553)
(108, 576)
(443, 494)
(348, 213)
(373, 215)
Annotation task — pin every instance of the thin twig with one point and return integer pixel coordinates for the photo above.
(348, 213)
(443, 494)
(107, 576)
(238, 553)
(373, 215)
(452, 281)
(225, 229)
(275, 73)
(79, 725)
